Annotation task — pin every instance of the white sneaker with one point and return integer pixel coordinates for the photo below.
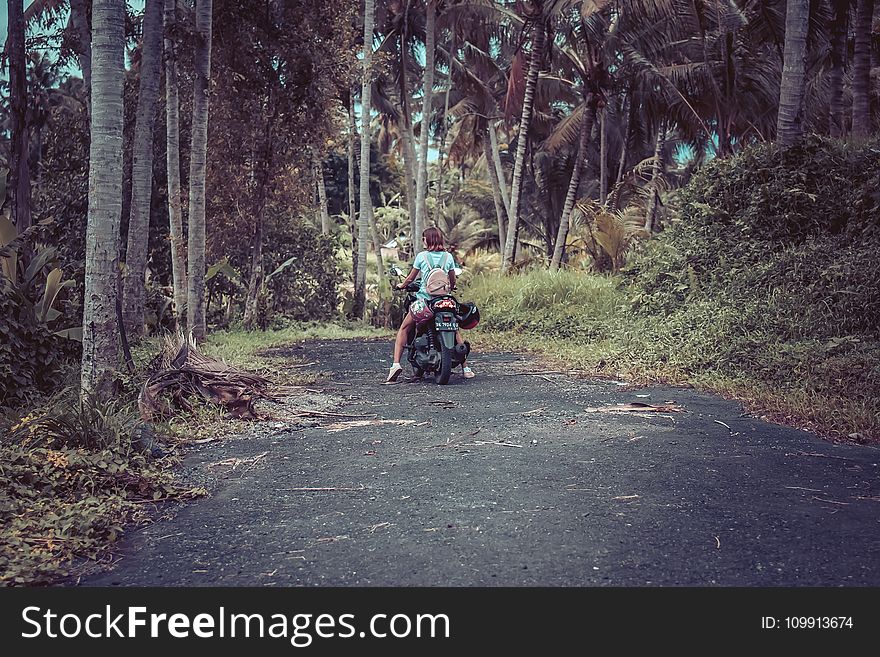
(467, 372)
(394, 372)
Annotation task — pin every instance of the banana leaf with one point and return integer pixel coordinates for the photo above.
(284, 265)
(44, 306)
(75, 333)
(8, 232)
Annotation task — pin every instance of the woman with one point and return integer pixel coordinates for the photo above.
(434, 256)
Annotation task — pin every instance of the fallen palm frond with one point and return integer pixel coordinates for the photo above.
(356, 424)
(181, 371)
(637, 407)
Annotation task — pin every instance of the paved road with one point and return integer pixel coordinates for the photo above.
(508, 480)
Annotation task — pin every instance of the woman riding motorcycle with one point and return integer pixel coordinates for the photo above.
(434, 256)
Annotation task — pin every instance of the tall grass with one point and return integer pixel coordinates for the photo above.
(588, 322)
(245, 347)
(561, 304)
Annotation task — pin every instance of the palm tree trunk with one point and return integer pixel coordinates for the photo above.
(352, 205)
(172, 159)
(500, 212)
(443, 132)
(427, 93)
(409, 158)
(657, 169)
(836, 120)
(522, 140)
(19, 164)
(195, 305)
(366, 204)
(544, 204)
(603, 158)
(789, 123)
(380, 270)
(861, 83)
(100, 338)
(621, 165)
(587, 121)
(322, 196)
(499, 172)
(261, 188)
(135, 293)
(377, 244)
(82, 43)
(409, 151)
(255, 280)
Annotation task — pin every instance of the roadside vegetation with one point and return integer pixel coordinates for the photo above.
(641, 189)
(765, 286)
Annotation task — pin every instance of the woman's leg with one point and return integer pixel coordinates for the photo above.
(464, 365)
(402, 337)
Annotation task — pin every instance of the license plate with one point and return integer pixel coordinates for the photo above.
(446, 326)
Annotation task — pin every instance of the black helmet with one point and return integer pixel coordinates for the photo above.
(468, 315)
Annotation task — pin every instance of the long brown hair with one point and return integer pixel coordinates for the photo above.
(433, 238)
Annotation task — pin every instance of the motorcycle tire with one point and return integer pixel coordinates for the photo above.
(445, 366)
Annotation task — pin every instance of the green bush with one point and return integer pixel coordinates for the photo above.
(71, 479)
(31, 357)
(33, 349)
(793, 231)
(306, 289)
(766, 283)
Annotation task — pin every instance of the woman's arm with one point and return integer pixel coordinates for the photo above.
(452, 273)
(409, 279)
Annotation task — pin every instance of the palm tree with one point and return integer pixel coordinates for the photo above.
(352, 163)
(172, 149)
(100, 340)
(400, 40)
(366, 204)
(134, 293)
(837, 124)
(82, 42)
(536, 20)
(318, 168)
(19, 161)
(427, 91)
(789, 125)
(657, 167)
(861, 70)
(492, 174)
(77, 32)
(588, 118)
(195, 305)
(45, 94)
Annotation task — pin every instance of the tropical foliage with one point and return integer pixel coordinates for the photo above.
(685, 182)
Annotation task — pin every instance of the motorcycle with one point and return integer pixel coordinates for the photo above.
(432, 347)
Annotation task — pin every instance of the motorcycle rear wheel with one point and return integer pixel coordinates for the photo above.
(445, 366)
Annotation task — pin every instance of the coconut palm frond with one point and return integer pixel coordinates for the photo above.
(464, 107)
(383, 103)
(516, 84)
(40, 9)
(566, 133)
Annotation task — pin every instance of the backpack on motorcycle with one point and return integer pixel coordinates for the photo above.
(437, 281)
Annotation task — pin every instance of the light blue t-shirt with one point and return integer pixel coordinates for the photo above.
(425, 261)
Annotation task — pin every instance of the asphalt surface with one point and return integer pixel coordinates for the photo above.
(508, 480)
